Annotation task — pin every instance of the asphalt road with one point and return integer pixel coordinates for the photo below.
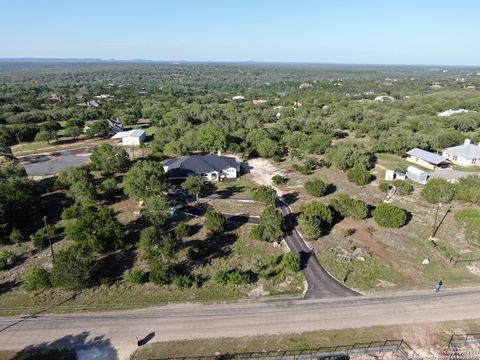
(321, 285)
(114, 334)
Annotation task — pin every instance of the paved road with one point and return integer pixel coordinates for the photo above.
(321, 284)
(115, 333)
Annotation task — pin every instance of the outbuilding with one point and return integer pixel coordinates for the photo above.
(132, 137)
(427, 159)
(417, 175)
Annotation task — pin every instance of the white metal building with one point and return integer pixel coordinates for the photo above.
(132, 137)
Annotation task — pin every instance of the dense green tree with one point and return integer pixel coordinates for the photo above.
(98, 129)
(348, 207)
(145, 178)
(438, 191)
(265, 194)
(73, 271)
(468, 189)
(46, 135)
(95, 230)
(157, 245)
(110, 158)
(214, 221)
(316, 187)
(359, 175)
(389, 215)
(37, 278)
(291, 261)
(269, 227)
(211, 138)
(346, 155)
(156, 211)
(194, 185)
(316, 218)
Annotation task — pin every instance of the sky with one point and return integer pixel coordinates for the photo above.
(444, 32)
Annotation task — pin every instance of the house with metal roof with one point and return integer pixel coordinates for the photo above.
(131, 137)
(427, 159)
(417, 175)
(210, 167)
(467, 154)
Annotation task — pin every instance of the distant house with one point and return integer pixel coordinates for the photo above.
(132, 137)
(417, 175)
(451, 112)
(427, 159)
(305, 85)
(211, 167)
(384, 98)
(115, 126)
(238, 97)
(467, 154)
(259, 101)
(438, 85)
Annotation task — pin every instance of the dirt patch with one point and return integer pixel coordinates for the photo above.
(262, 171)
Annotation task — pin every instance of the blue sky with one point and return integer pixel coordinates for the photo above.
(334, 31)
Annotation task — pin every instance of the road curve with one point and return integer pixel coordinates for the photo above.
(116, 332)
(321, 284)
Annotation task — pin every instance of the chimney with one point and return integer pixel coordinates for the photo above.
(467, 142)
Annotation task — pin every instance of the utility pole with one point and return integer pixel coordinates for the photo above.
(49, 238)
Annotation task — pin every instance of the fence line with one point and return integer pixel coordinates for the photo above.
(331, 352)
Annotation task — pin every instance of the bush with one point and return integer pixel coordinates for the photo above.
(269, 227)
(182, 230)
(237, 278)
(184, 281)
(403, 187)
(359, 175)
(279, 180)
(438, 191)
(316, 187)
(37, 279)
(220, 277)
(470, 219)
(73, 271)
(41, 238)
(348, 207)
(316, 218)
(383, 186)
(214, 221)
(388, 215)
(291, 261)
(160, 274)
(345, 232)
(135, 276)
(468, 189)
(265, 194)
(6, 258)
(109, 187)
(16, 236)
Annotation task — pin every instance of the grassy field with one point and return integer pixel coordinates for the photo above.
(426, 339)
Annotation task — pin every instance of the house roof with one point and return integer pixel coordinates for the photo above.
(427, 156)
(197, 164)
(466, 151)
(130, 133)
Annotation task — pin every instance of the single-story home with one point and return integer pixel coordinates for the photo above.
(451, 112)
(132, 137)
(467, 154)
(211, 167)
(427, 159)
(417, 175)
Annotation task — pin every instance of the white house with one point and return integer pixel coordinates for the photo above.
(132, 137)
(211, 167)
(451, 112)
(384, 98)
(467, 154)
(426, 159)
(238, 97)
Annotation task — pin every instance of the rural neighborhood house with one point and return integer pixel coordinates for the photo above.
(467, 154)
(211, 167)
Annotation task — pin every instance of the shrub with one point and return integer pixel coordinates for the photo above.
(316, 217)
(184, 281)
(160, 274)
(265, 194)
(291, 261)
(237, 278)
(438, 191)
(16, 236)
(359, 175)
(73, 271)
(403, 187)
(220, 277)
(316, 187)
(135, 276)
(37, 279)
(182, 230)
(214, 221)
(383, 186)
(348, 207)
(6, 258)
(470, 219)
(468, 189)
(269, 227)
(109, 187)
(388, 215)
(279, 180)
(41, 238)
(345, 232)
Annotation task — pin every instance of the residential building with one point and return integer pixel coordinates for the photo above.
(211, 167)
(132, 137)
(384, 98)
(467, 154)
(427, 159)
(238, 97)
(451, 112)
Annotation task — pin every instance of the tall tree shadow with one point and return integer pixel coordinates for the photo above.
(70, 347)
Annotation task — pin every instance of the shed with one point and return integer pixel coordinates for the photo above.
(132, 137)
(417, 175)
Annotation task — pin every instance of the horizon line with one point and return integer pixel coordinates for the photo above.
(66, 59)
